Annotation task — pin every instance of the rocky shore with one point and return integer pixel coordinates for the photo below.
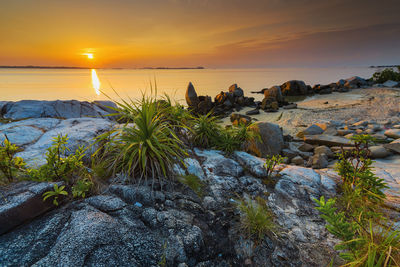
(129, 225)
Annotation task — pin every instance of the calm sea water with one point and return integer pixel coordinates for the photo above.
(51, 84)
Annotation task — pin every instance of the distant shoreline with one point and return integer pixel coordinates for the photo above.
(86, 68)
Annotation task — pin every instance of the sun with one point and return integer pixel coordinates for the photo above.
(89, 55)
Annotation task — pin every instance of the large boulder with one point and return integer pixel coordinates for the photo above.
(191, 96)
(294, 88)
(271, 142)
(275, 93)
(53, 109)
(393, 133)
(390, 83)
(80, 131)
(23, 202)
(26, 132)
(235, 90)
(355, 82)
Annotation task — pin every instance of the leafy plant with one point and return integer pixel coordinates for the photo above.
(356, 216)
(236, 138)
(364, 243)
(386, 75)
(10, 166)
(271, 162)
(81, 188)
(58, 191)
(146, 148)
(60, 166)
(194, 183)
(256, 218)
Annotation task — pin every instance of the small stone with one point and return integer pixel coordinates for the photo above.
(311, 130)
(306, 147)
(298, 160)
(253, 112)
(323, 150)
(378, 152)
(320, 161)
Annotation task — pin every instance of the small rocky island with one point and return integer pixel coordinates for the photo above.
(173, 223)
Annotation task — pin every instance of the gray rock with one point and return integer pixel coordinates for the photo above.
(271, 140)
(378, 152)
(320, 161)
(253, 112)
(51, 109)
(393, 146)
(324, 150)
(393, 133)
(251, 163)
(390, 83)
(294, 88)
(327, 140)
(311, 130)
(216, 164)
(298, 160)
(80, 131)
(356, 82)
(235, 90)
(23, 202)
(191, 96)
(306, 147)
(275, 93)
(194, 167)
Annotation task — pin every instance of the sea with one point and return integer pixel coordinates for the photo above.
(100, 84)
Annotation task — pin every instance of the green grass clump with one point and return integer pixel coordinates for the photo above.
(205, 130)
(194, 183)
(256, 219)
(356, 216)
(147, 147)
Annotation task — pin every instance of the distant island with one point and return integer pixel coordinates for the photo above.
(385, 66)
(66, 67)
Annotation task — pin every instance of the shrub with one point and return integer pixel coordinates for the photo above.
(194, 183)
(386, 75)
(60, 166)
(10, 166)
(256, 218)
(356, 216)
(365, 243)
(146, 148)
(271, 162)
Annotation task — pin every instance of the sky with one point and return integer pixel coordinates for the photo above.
(209, 33)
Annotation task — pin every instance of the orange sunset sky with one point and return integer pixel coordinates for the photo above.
(214, 33)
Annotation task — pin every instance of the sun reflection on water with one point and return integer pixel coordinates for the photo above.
(95, 82)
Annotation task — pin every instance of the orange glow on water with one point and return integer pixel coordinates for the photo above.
(95, 82)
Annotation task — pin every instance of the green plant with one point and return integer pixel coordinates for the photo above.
(81, 187)
(386, 75)
(194, 183)
(365, 243)
(356, 217)
(58, 191)
(271, 162)
(60, 166)
(204, 130)
(146, 148)
(355, 168)
(256, 219)
(10, 166)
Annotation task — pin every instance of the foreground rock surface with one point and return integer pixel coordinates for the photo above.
(134, 226)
